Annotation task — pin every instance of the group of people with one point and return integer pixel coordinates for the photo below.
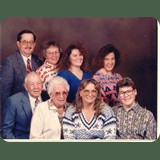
(58, 98)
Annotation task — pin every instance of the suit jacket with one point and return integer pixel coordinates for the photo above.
(16, 117)
(13, 73)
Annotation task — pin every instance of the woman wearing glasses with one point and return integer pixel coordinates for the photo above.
(52, 53)
(74, 67)
(89, 117)
(47, 119)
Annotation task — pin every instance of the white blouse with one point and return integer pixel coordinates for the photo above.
(45, 123)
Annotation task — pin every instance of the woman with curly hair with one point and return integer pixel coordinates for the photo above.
(106, 60)
(73, 67)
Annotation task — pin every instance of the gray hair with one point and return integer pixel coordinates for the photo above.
(31, 74)
(57, 81)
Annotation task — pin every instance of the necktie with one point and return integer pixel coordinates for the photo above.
(29, 69)
(36, 103)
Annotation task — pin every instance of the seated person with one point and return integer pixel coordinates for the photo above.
(46, 122)
(133, 121)
(19, 108)
(89, 117)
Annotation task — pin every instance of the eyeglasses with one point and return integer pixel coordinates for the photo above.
(27, 42)
(93, 92)
(128, 92)
(53, 53)
(58, 94)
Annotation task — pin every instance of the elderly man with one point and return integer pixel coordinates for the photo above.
(19, 108)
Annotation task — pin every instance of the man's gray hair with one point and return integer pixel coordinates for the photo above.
(31, 74)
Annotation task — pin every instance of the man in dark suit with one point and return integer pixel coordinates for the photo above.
(15, 67)
(18, 109)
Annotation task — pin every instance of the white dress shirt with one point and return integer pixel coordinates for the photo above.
(25, 60)
(32, 102)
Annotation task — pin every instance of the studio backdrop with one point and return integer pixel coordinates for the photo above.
(136, 39)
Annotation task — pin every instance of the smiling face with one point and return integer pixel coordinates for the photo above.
(109, 62)
(52, 55)
(33, 85)
(127, 96)
(59, 96)
(89, 94)
(76, 58)
(27, 44)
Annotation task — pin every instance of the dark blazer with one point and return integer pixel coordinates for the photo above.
(13, 73)
(16, 117)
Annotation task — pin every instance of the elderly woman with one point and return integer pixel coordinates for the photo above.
(52, 53)
(46, 121)
(89, 117)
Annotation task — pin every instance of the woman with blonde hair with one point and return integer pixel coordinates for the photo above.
(89, 117)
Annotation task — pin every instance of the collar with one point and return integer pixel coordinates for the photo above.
(48, 65)
(135, 108)
(51, 105)
(25, 58)
(33, 99)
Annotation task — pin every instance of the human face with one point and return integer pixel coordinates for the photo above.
(109, 62)
(27, 44)
(76, 58)
(127, 96)
(59, 96)
(89, 94)
(34, 86)
(52, 55)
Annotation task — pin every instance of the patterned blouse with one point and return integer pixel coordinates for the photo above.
(108, 87)
(75, 125)
(137, 123)
(46, 72)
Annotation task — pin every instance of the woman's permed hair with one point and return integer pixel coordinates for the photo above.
(103, 52)
(65, 63)
(57, 81)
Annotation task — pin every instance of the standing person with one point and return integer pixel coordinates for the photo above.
(52, 54)
(133, 121)
(18, 109)
(47, 119)
(16, 66)
(106, 60)
(74, 67)
(89, 117)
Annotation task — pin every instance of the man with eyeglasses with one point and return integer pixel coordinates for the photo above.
(16, 66)
(133, 121)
